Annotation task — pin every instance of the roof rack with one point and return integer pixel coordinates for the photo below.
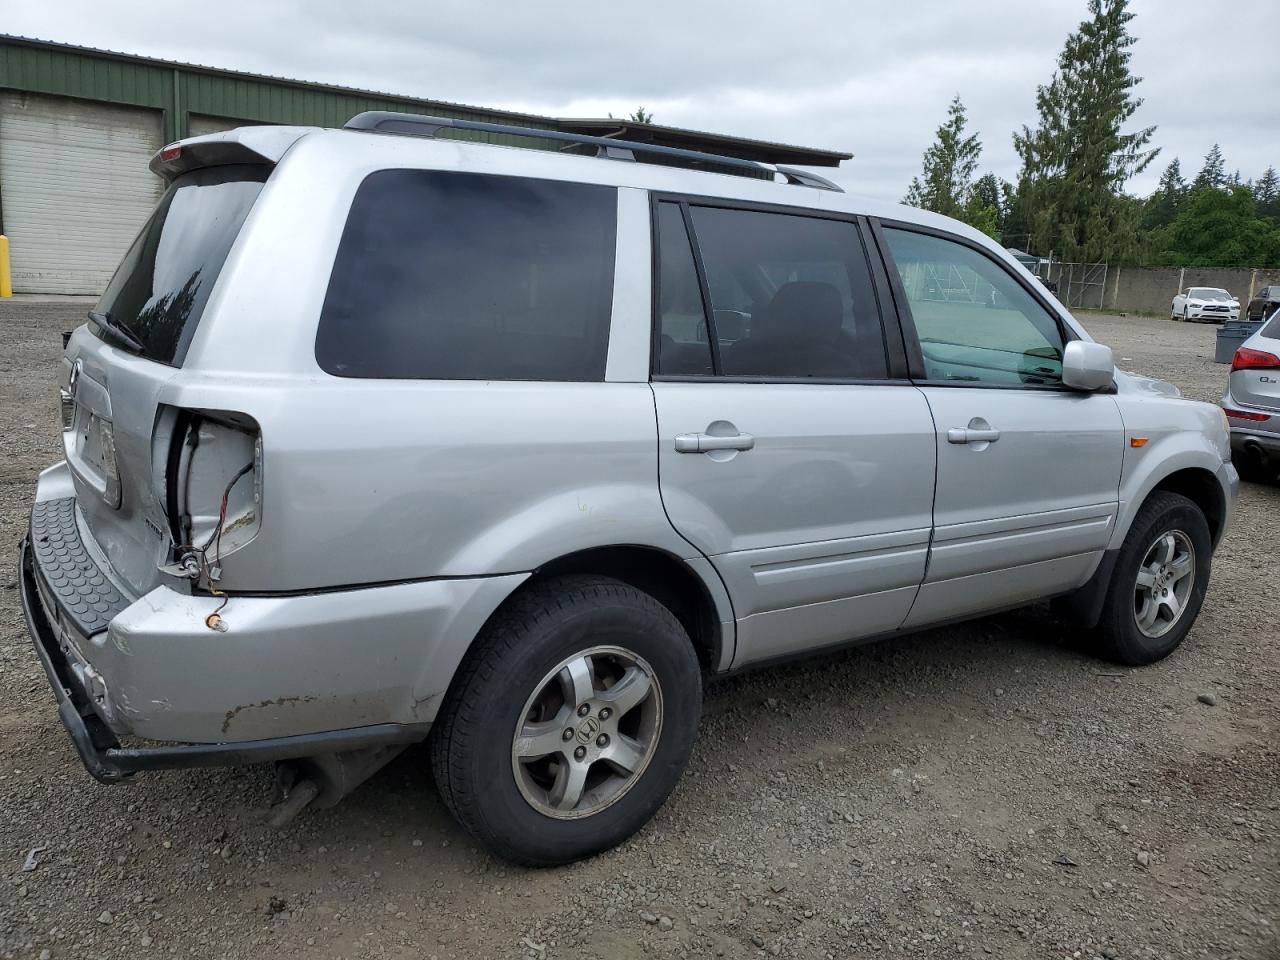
(418, 125)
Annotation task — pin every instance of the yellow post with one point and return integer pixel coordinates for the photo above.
(6, 287)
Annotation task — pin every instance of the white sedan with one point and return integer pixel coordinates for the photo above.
(1205, 303)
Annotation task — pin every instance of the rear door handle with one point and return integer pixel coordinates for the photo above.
(705, 442)
(971, 435)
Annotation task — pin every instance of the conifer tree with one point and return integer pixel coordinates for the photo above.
(1266, 194)
(1077, 159)
(1163, 205)
(1213, 173)
(945, 181)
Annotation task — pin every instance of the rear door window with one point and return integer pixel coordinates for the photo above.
(684, 345)
(160, 288)
(459, 276)
(790, 296)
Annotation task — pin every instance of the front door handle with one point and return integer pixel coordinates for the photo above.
(978, 431)
(705, 442)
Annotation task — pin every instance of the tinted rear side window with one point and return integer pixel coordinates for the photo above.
(684, 348)
(160, 288)
(791, 295)
(458, 276)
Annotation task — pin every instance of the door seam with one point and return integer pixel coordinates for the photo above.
(933, 510)
(657, 468)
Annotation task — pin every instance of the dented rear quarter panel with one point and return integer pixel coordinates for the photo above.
(288, 666)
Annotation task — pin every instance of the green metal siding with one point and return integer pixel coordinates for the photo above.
(180, 90)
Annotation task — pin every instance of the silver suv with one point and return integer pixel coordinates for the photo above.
(376, 437)
(1252, 403)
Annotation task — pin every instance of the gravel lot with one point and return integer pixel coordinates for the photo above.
(980, 790)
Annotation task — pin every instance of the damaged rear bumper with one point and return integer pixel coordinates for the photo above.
(306, 675)
(110, 762)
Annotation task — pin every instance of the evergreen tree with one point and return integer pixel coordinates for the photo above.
(1213, 173)
(1078, 158)
(946, 179)
(1015, 228)
(1162, 206)
(1266, 194)
(987, 190)
(1220, 228)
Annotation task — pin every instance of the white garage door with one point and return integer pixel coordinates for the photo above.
(198, 124)
(74, 188)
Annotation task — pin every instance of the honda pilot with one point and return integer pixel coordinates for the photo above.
(378, 437)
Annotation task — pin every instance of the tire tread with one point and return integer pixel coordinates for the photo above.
(1115, 636)
(524, 616)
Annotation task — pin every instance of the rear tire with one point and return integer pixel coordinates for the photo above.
(1158, 584)
(569, 722)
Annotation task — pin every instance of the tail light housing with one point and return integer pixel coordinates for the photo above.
(1246, 358)
(208, 473)
(1245, 415)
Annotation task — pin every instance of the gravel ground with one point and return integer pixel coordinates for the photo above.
(981, 790)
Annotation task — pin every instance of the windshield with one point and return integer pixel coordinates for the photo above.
(1208, 293)
(160, 288)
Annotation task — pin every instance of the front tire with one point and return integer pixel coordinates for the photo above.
(570, 721)
(1158, 584)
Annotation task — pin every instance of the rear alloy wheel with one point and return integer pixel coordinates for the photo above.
(1158, 583)
(569, 722)
(589, 732)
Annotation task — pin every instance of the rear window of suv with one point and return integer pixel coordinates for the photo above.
(159, 290)
(458, 276)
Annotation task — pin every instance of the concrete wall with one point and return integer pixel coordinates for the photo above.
(1152, 289)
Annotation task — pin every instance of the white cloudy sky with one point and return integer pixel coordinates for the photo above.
(872, 78)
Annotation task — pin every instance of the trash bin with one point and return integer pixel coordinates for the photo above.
(1230, 335)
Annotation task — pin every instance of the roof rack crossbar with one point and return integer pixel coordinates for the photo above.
(420, 125)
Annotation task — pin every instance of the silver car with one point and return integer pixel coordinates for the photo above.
(376, 437)
(1252, 403)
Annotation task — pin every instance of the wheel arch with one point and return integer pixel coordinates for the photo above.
(1199, 485)
(1184, 461)
(1202, 488)
(690, 589)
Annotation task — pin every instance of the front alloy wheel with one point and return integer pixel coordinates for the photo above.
(1157, 583)
(1164, 584)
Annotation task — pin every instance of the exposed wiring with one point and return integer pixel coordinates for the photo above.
(214, 620)
(222, 514)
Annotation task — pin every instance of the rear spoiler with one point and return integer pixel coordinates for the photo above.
(264, 144)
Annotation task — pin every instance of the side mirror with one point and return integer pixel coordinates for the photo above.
(1087, 366)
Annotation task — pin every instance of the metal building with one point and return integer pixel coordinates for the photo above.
(78, 125)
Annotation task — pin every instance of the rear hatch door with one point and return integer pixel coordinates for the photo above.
(136, 341)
